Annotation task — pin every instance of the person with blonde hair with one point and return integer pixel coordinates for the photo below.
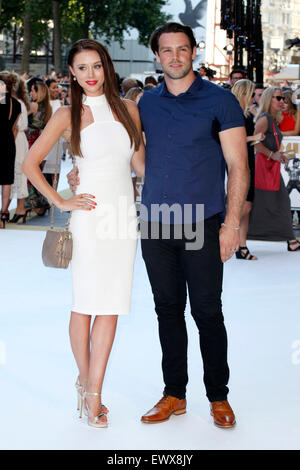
(270, 218)
(244, 91)
(134, 94)
(290, 119)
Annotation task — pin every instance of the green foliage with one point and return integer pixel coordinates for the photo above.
(82, 18)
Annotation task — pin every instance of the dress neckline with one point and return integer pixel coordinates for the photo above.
(93, 100)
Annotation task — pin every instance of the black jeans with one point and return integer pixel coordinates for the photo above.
(172, 269)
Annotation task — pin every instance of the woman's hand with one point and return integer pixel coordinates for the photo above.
(259, 137)
(279, 157)
(82, 201)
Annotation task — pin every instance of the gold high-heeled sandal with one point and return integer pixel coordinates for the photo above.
(80, 399)
(94, 422)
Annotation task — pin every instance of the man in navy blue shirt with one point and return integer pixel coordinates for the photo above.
(192, 128)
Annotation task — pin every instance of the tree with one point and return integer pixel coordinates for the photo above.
(26, 42)
(57, 36)
(76, 19)
(109, 19)
(25, 21)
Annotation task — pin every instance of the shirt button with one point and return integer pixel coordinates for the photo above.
(169, 136)
(165, 196)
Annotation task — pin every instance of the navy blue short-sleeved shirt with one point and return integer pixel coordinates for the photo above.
(184, 158)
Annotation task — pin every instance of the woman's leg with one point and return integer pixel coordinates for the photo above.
(5, 197)
(244, 224)
(102, 337)
(20, 206)
(79, 330)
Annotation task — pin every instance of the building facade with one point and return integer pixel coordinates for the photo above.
(280, 21)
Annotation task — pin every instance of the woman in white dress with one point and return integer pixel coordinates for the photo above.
(106, 134)
(19, 188)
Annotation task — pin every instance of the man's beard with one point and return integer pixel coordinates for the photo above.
(180, 74)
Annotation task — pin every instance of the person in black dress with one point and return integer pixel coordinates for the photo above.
(9, 114)
(244, 90)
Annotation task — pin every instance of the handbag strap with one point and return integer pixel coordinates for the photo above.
(55, 184)
(276, 135)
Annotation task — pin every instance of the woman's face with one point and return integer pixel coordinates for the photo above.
(285, 106)
(33, 94)
(276, 102)
(88, 70)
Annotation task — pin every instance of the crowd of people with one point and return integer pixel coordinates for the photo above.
(31, 101)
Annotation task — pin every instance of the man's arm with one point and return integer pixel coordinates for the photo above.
(233, 142)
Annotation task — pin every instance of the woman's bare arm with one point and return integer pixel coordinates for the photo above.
(59, 123)
(138, 158)
(262, 126)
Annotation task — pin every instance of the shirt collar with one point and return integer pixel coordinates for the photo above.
(195, 86)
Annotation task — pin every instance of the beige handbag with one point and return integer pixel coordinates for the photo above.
(58, 244)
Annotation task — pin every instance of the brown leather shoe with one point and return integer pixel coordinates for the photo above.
(166, 407)
(222, 414)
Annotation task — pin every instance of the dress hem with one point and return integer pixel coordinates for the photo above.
(93, 313)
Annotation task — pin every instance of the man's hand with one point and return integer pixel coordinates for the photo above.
(229, 242)
(73, 180)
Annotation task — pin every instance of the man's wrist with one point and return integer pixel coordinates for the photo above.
(232, 227)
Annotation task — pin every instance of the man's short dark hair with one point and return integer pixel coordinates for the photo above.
(242, 72)
(171, 28)
(49, 81)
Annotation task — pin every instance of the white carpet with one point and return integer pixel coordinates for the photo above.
(38, 402)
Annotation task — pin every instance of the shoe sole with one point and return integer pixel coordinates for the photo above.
(176, 413)
(98, 425)
(226, 426)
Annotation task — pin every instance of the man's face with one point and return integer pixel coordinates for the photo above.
(258, 93)
(235, 77)
(53, 90)
(175, 55)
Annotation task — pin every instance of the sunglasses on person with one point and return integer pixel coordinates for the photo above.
(279, 98)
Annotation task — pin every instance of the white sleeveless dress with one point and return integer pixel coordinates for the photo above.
(105, 238)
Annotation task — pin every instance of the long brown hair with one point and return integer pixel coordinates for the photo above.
(44, 99)
(110, 90)
(10, 79)
(21, 92)
(287, 94)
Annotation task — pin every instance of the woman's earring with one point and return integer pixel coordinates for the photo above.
(74, 78)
